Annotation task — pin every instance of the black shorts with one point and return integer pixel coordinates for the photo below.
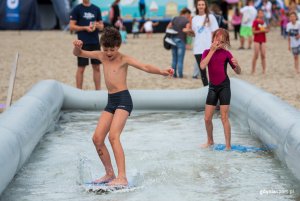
(219, 92)
(120, 100)
(83, 62)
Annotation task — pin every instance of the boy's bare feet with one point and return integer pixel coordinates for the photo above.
(206, 145)
(105, 179)
(121, 181)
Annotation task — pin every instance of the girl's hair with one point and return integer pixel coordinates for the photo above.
(259, 10)
(206, 10)
(237, 11)
(224, 33)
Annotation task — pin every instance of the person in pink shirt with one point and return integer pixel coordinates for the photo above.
(217, 58)
(236, 22)
(284, 20)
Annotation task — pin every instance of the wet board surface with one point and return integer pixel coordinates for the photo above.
(239, 148)
(101, 188)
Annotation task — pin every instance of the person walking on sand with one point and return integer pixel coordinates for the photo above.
(179, 24)
(148, 27)
(217, 58)
(86, 20)
(249, 14)
(293, 30)
(142, 8)
(259, 29)
(115, 13)
(203, 25)
(119, 105)
(236, 22)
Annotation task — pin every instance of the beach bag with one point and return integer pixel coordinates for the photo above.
(167, 45)
(168, 41)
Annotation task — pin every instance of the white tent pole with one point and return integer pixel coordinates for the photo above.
(12, 82)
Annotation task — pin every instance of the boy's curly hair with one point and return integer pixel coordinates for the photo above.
(110, 37)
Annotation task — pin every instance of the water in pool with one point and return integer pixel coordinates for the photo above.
(163, 161)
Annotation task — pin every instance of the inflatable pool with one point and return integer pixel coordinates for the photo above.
(273, 121)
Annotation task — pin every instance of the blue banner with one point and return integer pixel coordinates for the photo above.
(12, 11)
(155, 9)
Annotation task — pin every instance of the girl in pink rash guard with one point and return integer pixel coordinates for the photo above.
(217, 58)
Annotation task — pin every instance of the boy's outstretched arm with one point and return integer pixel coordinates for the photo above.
(149, 68)
(77, 51)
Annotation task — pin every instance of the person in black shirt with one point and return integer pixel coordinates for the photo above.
(115, 13)
(86, 20)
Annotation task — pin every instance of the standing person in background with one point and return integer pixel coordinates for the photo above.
(293, 30)
(293, 7)
(203, 26)
(224, 11)
(259, 29)
(115, 13)
(142, 8)
(135, 28)
(249, 15)
(236, 22)
(148, 27)
(284, 20)
(215, 10)
(178, 52)
(123, 34)
(267, 9)
(86, 20)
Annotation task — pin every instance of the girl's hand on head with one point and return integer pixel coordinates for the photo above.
(214, 46)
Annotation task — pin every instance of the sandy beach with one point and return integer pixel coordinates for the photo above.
(48, 55)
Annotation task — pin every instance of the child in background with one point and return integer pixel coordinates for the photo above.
(135, 28)
(284, 20)
(123, 34)
(236, 22)
(119, 104)
(259, 29)
(293, 30)
(216, 58)
(148, 27)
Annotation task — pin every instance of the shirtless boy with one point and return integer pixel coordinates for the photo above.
(119, 106)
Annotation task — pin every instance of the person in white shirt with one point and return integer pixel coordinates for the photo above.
(267, 8)
(148, 27)
(293, 30)
(203, 25)
(249, 14)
